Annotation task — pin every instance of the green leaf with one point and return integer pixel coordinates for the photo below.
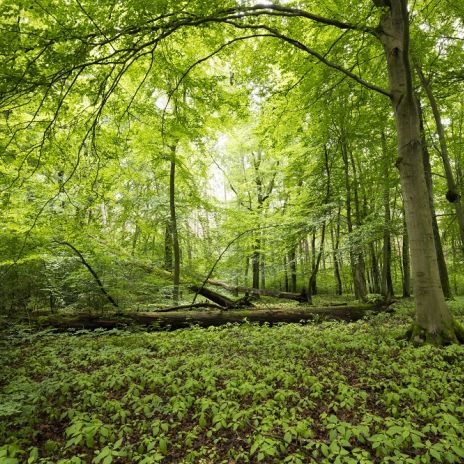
(288, 437)
(458, 450)
(163, 445)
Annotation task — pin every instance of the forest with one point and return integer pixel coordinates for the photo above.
(231, 231)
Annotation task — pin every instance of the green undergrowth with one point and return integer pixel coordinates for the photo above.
(316, 393)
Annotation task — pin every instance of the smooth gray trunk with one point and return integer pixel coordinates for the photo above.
(433, 318)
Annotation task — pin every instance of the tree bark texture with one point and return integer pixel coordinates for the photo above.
(405, 262)
(442, 268)
(182, 319)
(315, 267)
(356, 257)
(221, 300)
(168, 247)
(433, 318)
(375, 273)
(292, 263)
(335, 245)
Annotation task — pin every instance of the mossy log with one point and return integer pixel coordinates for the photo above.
(181, 319)
(447, 336)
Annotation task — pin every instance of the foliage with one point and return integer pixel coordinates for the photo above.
(327, 392)
(93, 94)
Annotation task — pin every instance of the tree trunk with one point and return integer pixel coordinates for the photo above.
(312, 278)
(247, 270)
(168, 247)
(335, 245)
(174, 233)
(173, 320)
(357, 262)
(221, 300)
(262, 265)
(293, 275)
(434, 322)
(312, 290)
(406, 265)
(286, 286)
(443, 270)
(255, 264)
(375, 274)
(452, 195)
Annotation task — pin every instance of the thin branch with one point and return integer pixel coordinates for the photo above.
(296, 43)
(280, 10)
(87, 265)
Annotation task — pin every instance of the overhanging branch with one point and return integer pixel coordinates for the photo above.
(296, 43)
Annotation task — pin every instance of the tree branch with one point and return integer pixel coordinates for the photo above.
(94, 274)
(296, 43)
(280, 10)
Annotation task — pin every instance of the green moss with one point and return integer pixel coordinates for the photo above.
(447, 336)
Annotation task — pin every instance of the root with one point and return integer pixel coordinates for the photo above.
(418, 336)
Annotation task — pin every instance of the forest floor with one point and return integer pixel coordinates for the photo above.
(330, 392)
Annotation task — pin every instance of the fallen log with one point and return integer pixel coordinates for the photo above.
(181, 319)
(221, 300)
(188, 306)
(260, 292)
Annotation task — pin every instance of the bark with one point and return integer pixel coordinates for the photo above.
(247, 269)
(452, 195)
(221, 300)
(335, 245)
(375, 273)
(262, 194)
(262, 291)
(286, 286)
(312, 290)
(293, 274)
(262, 265)
(189, 306)
(255, 264)
(443, 270)
(173, 320)
(173, 226)
(405, 260)
(312, 278)
(357, 261)
(433, 322)
(304, 251)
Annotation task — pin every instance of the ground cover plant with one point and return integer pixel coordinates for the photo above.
(326, 392)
